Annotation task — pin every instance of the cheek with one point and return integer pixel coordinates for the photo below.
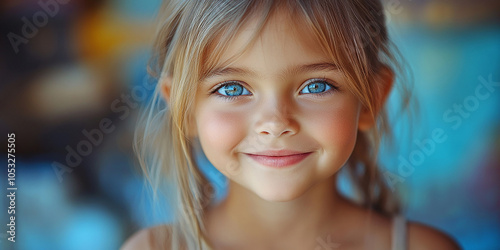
(335, 129)
(219, 131)
(339, 127)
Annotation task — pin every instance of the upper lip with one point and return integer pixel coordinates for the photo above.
(283, 152)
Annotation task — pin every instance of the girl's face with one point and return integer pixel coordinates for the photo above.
(279, 119)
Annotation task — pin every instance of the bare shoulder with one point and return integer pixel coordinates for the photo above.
(425, 237)
(145, 238)
(139, 240)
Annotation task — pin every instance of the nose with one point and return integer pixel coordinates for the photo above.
(276, 119)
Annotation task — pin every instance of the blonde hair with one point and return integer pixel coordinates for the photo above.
(191, 37)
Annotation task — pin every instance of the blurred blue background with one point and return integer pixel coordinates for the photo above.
(70, 69)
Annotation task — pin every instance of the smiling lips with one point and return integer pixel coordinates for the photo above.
(279, 158)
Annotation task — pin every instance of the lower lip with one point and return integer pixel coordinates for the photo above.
(279, 161)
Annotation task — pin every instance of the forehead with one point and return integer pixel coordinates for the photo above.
(284, 41)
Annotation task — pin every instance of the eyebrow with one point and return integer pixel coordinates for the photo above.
(315, 67)
(222, 71)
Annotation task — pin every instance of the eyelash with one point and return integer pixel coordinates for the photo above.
(224, 84)
(332, 89)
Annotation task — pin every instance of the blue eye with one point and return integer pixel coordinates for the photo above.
(316, 87)
(232, 89)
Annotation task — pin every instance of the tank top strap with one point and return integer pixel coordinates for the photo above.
(399, 232)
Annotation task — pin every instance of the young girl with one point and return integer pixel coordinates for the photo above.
(279, 96)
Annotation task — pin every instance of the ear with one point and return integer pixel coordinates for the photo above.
(165, 86)
(385, 79)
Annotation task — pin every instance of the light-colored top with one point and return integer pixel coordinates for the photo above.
(399, 233)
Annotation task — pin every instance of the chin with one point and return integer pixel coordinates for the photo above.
(278, 194)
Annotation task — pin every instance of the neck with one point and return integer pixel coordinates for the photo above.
(246, 214)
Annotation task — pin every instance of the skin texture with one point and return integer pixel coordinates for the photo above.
(276, 115)
(294, 207)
